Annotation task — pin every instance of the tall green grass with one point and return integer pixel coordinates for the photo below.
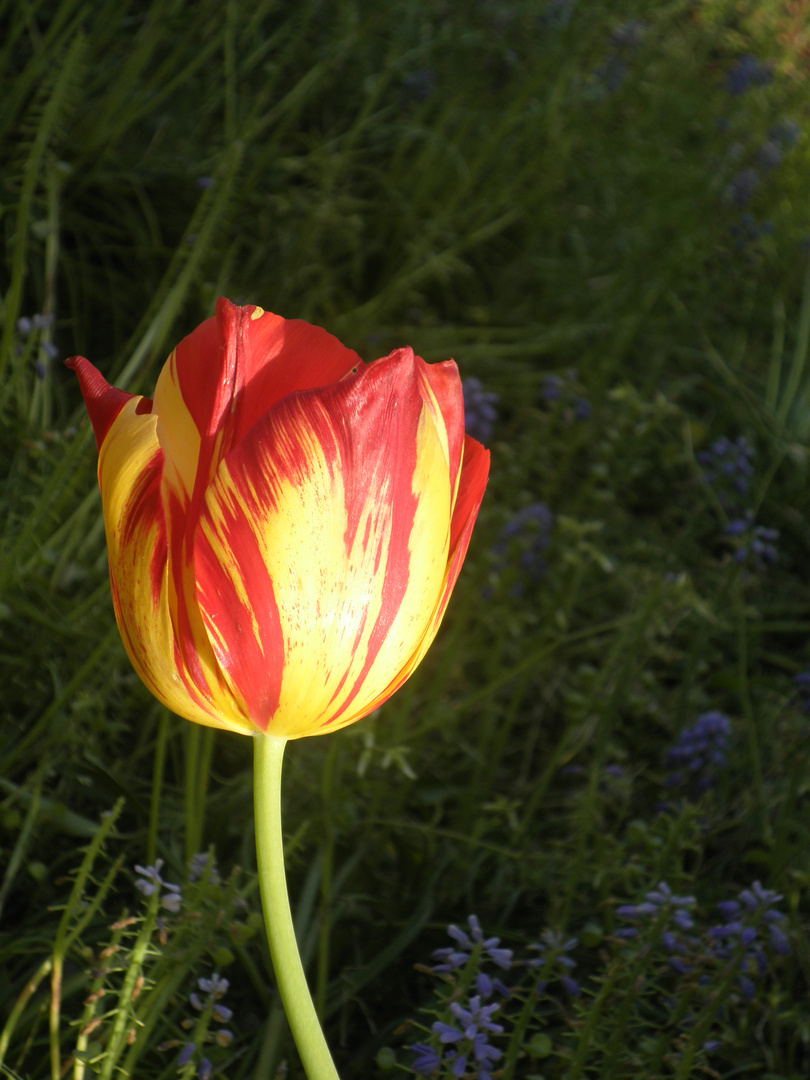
(475, 180)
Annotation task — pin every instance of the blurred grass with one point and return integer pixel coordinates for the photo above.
(509, 185)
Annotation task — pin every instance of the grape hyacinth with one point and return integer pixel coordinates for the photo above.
(463, 1044)
(149, 881)
(454, 957)
(745, 73)
(752, 926)
(35, 332)
(671, 914)
(214, 988)
(699, 753)
(204, 865)
(564, 392)
(523, 541)
(552, 950)
(753, 544)
(480, 412)
(727, 467)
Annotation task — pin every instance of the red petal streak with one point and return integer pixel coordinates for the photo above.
(103, 402)
(475, 469)
(246, 637)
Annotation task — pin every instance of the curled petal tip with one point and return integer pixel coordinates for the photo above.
(103, 402)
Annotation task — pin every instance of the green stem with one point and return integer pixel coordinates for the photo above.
(292, 983)
(327, 864)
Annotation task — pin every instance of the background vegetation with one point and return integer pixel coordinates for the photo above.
(600, 210)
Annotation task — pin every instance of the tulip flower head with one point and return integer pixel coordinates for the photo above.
(285, 523)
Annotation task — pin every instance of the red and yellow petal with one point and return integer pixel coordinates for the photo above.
(475, 471)
(225, 375)
(333, 514)
(130, 473)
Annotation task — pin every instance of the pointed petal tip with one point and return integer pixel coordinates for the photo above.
(102, 401)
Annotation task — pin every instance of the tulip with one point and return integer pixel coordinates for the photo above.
(284, 523)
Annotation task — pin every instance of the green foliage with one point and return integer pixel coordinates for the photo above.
(539, 190)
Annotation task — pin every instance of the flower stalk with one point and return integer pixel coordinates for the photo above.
(292, 983)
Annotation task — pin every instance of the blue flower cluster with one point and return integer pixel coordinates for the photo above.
(523, 541)
(203, 865)
(704, 969)
(465, 1043)
(149, 881)
(553, 949)
(671, 914)
(763, 158)
(214, 988)
(35, 330)
(469, 1040)
(745, 73)
(741, 947)
(480, 412)
(699, 753)
(456, 956)
(727, 467)
(565, 393)
(753, 544)
(752, 925)
(611, 73)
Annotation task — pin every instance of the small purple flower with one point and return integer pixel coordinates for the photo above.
(523, 541)
(746, 72)
(611, 74)
(172, 898)
(205, 1070)
(186, 1054)
(670, 915)
(216, 986)
(553, 386)
(770, 155)
(203, 864)
(477, 1017)
(470, 1038)
(742, 186)
(699, 753)
(480, 412)
(452, 959)
(555, 963)
(150, 879)
(753, 544)
(785, 132)
(426, 1060)
(752, 926)
(727, 467)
